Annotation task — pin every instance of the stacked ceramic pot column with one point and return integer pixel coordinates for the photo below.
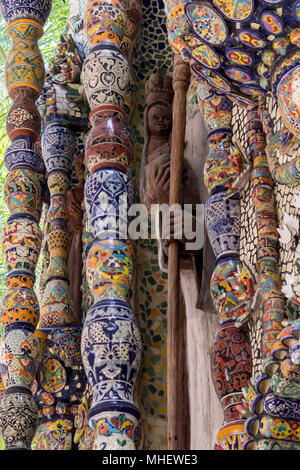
(24, 74)
(267, 253)
(111, 346)
(231, 284)
(58, 143)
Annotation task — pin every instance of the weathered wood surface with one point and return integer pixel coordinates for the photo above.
(206, 415)
(175, 340)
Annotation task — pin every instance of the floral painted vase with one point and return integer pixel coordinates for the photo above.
(58, 243)
(114, 431)
(37, 10)
(232, 289)
(108, 197)
(57, 309)
(18, 420)
(23, 192)
(19, 356)
(111, 354)
(109, 143)
(110, 269)
(24, 66)
(21, 243)
(105, 22)
(20, 303)
(105, 76)
(66, 344)
(58, 184)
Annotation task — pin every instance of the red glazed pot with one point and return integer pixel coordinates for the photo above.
(109, 143)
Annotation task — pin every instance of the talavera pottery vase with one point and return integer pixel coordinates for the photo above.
(231, 289)
(111, 354)
(66, 344)
(18, 420)
(222, 217)
(23, 118)
(231, 346)
(21, 242)
(105, 22)
(37, 10)
(108, 197)
(22, 152)
(109, 143)
(57, 307)
(23, 192)
(58, 143)
(110, 269)
(25, 56)
(106, 77)
(19, 356)
(20, 303)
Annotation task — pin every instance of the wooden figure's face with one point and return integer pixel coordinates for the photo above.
(160, 120)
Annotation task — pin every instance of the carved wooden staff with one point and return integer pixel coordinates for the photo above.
(176, 325)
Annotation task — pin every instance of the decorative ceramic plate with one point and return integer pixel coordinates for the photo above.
(240, 57)
(238, 74)
(296, 9)
(235, 10)
(213, 78)
(272, 2)
(271, 22)
(252, 39)
(177, 16)
(206, 23)
(201, 51)
(252, 90)
(53, 376)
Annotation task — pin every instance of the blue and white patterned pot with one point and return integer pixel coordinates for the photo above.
(111, 353)
(37, 10)
(108, 195)
(222, 217)
(59, 144)
(23, 153)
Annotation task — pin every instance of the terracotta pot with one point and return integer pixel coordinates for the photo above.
(231, 359)
(109, 143)
(23, 117)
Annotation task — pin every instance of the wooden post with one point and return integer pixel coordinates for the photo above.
(177, 395)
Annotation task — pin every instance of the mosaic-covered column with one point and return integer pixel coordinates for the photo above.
(231, 283)
(111, 345)
(24, 74)
(267, 252)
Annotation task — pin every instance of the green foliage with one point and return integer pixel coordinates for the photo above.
(52, 31)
